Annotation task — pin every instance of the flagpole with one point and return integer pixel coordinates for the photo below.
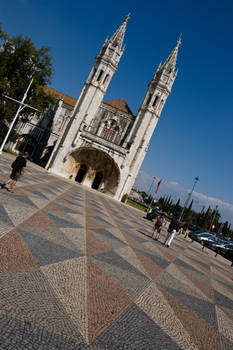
(21, 106)
(154, 178)
(188, 198)
(158, 184)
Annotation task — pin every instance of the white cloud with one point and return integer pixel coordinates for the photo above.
(212, 199)
(173, 188)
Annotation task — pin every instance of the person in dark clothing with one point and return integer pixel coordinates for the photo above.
(18, 167)
(172, 229)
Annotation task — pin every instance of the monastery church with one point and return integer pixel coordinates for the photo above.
(101, 144)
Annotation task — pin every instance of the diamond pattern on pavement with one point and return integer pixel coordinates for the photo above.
(79, 270)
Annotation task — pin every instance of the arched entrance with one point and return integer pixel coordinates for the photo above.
(93, 168)
(97, 181)
(81, 173)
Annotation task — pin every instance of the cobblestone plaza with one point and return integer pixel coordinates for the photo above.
(78, 270)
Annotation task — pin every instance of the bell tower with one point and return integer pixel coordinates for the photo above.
(148, 115)
(105, 65)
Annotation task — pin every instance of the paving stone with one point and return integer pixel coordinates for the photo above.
(61, 222)
(106, 300)
(46, 252)
(28, 296)
(14, 253)
(4, 217)
(68, 280)
(222, 300)
(20, 335)
(156, 259)
(79, 270)
(203, 334)
(153, 303)
(106, 236)
(132, 282)
(135, 330)
(203, 308)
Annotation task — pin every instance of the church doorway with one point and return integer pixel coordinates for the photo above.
(97, 181)
(81, 173)
(94, 169)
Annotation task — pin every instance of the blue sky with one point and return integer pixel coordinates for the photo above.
(194, 134)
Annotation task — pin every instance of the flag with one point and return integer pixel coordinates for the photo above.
(158, 184)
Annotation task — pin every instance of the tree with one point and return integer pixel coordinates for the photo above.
(226, 229)
(187, 213)
(207, 218)
(177, 208)
(19, 62)
(143, 194)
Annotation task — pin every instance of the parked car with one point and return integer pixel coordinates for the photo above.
(150, 216)
(214, 243)
(226, 251)
(199, 236)
(203, 238)
(194, 233)
(228, 240)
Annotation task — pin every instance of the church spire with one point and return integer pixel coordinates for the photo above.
(172, 58)
(118, 36)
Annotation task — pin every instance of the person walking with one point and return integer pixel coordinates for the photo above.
(172, 229)
(157, 227)
(181, 228)
(18, 168)
(185, 229)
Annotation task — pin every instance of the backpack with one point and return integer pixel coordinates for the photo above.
(159, 222)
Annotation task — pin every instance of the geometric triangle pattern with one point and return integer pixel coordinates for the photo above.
(79, 270)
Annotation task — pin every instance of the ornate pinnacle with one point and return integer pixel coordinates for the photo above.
(171, 60)
(118, 36)
(127, 18)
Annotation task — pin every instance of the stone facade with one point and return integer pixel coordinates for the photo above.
(102, 144)
(38, 135)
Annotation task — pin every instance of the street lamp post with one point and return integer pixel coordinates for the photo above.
(154, 178)
(22, 105)
(188, 198)
(213, 217)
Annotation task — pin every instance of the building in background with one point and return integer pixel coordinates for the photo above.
(101, 144)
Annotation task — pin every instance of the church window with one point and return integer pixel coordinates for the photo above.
(100, 75)
(161, 105)
(149, 99)
(106, 79)
(109, 131)
(155, 100)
